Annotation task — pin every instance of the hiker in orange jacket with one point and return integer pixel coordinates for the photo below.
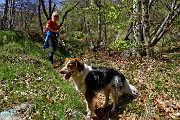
(53, 27)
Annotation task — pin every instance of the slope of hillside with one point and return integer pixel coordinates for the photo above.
(27, 77)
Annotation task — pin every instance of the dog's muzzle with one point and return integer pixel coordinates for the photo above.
(62, 72)
(66, 72)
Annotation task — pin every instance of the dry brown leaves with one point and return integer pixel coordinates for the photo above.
(156, 80)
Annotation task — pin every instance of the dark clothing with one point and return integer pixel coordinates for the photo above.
(53, 44)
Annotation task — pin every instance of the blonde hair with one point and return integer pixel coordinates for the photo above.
(55, 14)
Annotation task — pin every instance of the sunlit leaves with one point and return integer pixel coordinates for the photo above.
(120, 45)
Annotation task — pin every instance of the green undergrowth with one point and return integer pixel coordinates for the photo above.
(27, 77)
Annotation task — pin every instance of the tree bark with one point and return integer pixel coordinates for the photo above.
(99, 30)
(44, 10)
(65, 14)
(50, 9)
(34, 11)
(86, 25)
(4, 18)
(145, 26)
(54, 6)
(137, 31)
(11, 15)
(99, 5)
(39, 16)
(141, 26)
(173, 13)
(105, 34)
(129, 31)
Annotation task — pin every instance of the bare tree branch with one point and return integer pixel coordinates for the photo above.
(166, 23)
(54, 6)
(39, 16)
(129, 31)
(65, 14)
(50, 8)
(44, 9)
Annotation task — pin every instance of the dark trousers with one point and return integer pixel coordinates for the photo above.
(53, 44)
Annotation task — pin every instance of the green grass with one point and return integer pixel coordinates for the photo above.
(26, 76)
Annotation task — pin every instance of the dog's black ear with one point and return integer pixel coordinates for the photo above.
(79, 64)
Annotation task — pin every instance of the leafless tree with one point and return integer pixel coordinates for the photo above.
(99, 5)
(141, 24)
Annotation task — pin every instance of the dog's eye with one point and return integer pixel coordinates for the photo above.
(69, 65)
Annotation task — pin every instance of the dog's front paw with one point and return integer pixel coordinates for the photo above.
(89, 114)
(88, 118)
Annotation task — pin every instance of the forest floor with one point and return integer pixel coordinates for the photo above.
(158, 82)
(26, 77)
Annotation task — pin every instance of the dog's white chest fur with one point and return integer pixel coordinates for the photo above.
(79, 82)
(79, 79)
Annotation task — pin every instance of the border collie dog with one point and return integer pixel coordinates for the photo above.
(89, 80)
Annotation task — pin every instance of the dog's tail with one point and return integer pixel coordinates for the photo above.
(130, 88)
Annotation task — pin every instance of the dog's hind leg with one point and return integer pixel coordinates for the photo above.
(106, 94)
(115, 99)
(89, 105)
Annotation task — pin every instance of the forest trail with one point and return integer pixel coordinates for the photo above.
(144, 74)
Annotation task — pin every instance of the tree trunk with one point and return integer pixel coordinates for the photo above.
(65, 14)
(129, 31)
(99, 30)
(34, 11)
(105, 30)
(54, 6)
(39, 16)
(105, 34)
(11, 15)
(137, 31)
(44, 10)
(99, 5)
(86, 25)
(50, 9)
(146, 27)
(141, 26)
(4, 18)
(173, 13)
(26, 21)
